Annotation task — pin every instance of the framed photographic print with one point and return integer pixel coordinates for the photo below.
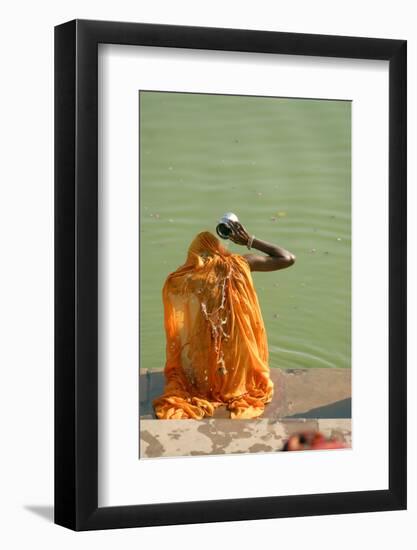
(230, 252)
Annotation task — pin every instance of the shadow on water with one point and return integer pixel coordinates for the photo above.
(45, 512)
(339, 409)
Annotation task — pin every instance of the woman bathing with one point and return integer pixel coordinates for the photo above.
(216, 344)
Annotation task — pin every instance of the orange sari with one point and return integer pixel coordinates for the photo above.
(216, 345)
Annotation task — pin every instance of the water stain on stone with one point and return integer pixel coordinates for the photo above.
(260, 447)
(155, 448)
(218, 439)
(296, 371)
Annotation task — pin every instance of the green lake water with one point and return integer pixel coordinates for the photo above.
(284, 167)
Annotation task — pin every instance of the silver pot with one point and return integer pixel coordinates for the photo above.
(223, 228)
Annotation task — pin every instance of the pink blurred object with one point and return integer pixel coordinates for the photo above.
(312, 441)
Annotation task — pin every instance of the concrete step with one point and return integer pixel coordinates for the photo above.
(299, 393)
(217, 436)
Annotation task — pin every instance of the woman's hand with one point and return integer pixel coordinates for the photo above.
(276, 256)
(238, 234)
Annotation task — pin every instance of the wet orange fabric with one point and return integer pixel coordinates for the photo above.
(216, 345)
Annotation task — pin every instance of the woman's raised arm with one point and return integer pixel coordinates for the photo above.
(276, 256)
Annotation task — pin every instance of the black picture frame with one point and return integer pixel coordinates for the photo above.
(76, 272)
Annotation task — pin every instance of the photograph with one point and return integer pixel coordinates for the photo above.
(206, 271)
(245, 274)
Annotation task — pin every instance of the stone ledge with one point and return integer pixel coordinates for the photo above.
(217, 436)
(299, 393)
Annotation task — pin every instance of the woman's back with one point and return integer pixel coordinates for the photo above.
(216, 342)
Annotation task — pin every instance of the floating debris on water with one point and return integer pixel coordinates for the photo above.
(326, 252)
(281, 214)
(339, 239)
(170, 220)
(273, 219)
(170, 168)
(259, 194)
(156, 216)
(313, 250)
(275, 316)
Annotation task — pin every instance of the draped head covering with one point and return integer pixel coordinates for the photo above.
(216, 345)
